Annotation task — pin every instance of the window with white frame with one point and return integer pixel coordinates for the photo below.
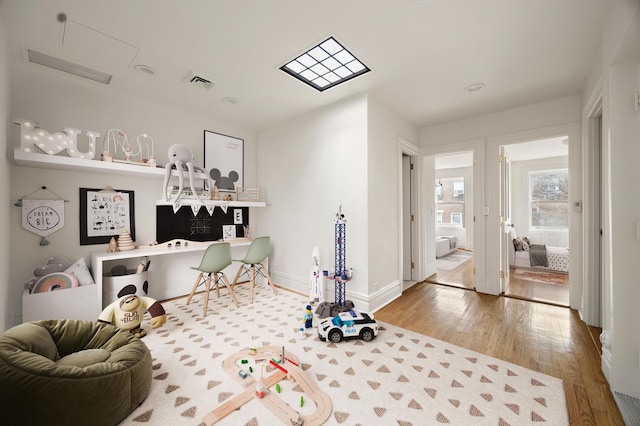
(549, 198)
(450, 201)
(456, 218)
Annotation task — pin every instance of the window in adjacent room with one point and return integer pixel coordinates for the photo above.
(549, 198)
(450, 201)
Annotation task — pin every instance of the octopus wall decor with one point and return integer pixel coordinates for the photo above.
(181, 156)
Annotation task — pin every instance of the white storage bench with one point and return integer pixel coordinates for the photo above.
(70, 303)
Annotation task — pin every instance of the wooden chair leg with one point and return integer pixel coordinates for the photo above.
(252, 277)
(215, 280)
(195, 286)
(206, 295)
(230, 287)
(235, 280)
(266, 274)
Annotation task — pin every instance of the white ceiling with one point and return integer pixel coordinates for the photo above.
(422, 53)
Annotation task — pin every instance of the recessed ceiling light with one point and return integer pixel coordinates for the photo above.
(474, 87)
(230, 101)
(145, 69)
(325, 65)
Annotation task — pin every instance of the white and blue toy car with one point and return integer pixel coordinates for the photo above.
(348, 324)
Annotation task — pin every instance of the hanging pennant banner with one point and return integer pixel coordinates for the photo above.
(42, 217)
(224, 207)
(195, 209)
(210, 209)
(176, 207)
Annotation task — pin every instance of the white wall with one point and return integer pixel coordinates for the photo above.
(310, 166)
(625, 213)
(621, 133)
(385, 197)
(544, 114)
(345, 155)
(6, 304)
(57, 100)
(489, 131)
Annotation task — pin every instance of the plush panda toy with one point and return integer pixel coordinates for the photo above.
(127, 312)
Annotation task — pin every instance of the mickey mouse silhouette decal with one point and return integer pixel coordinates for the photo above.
(223, 182)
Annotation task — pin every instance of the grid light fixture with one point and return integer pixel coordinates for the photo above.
(325, 65)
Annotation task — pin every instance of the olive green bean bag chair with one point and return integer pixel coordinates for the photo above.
(71, 372)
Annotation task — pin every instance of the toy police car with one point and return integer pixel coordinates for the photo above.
(348, 324)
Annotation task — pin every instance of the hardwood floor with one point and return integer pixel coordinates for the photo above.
(542, 292)
(462, 277)
(549, 339)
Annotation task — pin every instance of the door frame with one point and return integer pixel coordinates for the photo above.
(477, 146)
(575, 195)
(505, 218)
(407, 148)
(594, 271)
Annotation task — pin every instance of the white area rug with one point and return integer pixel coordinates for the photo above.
(453, 260)
(399, 378)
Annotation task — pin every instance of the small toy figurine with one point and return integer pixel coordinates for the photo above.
(308, 317)
(126, 313)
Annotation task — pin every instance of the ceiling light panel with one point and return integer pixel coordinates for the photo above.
(325, 65)
(68, 67)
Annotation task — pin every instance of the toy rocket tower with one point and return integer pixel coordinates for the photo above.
(340, 274)
(340, 266)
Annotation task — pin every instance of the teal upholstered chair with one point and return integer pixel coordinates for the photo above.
(215, 259)
(253, 263)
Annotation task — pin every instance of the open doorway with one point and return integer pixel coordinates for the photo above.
(535, 184)
(454, 220)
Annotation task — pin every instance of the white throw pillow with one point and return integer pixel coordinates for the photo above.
(80, 270)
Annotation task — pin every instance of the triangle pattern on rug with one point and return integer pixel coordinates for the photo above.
(400, 377)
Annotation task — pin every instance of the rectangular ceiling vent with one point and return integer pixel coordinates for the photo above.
(193, 79)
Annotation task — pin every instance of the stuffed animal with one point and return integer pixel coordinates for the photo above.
(126, 313)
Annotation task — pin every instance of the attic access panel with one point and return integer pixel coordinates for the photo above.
(325, 65)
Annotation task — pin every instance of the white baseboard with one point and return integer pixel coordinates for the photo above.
(607, 365)
(362, 302)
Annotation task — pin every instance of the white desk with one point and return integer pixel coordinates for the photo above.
(169, 276)
(169, 272)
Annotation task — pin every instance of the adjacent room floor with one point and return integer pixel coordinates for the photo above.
(538, 286)
(455, 269)
(546, 287)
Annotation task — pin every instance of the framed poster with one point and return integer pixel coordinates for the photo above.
(104, 213)
(224, 160)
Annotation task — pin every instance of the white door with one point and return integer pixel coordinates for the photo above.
(505, 220)
(407, 220)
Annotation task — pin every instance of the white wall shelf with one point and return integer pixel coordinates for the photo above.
(196, 202)
(59, 162)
